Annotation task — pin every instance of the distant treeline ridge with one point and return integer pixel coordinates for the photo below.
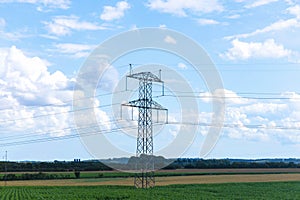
(180, 163)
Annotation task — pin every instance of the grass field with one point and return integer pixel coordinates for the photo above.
(269, 190)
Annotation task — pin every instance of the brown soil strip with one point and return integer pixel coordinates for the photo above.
(161, 180)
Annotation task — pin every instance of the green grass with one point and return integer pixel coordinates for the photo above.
(271, 190)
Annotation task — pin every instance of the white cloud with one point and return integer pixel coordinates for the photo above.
(259, 3)
(63, 25)
(2, 23)
(243, 50)
(264, 108)
(236, 16)
(276, 26)
(112, 13)
(182, 7)
(246, 50)
(223, 95)
(62, 4)
(102, 117)
(170, 40)
(162, 26)
(182, 66)
(29, 76)
(261, 120)
(12, 35)
(109, 79)
(28, 89)
(294, 10)
(134, 27)
(75, 50)
(207, 22)
(9, 35)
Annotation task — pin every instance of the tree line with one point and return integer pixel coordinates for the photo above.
(56, 166)
(186, 163)
(180, 163)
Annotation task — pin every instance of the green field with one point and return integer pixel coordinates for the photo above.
(271, 190)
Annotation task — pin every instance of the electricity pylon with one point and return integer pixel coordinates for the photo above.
(144, 177)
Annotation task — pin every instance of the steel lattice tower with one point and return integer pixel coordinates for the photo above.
(144, 177)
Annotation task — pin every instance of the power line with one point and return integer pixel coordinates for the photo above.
(64, 103)
(225, 64)
(229, 66)
(133, 127)
(57, 113)
(74, 128)
(249, 126)
(159, 96)
(225, 97)
(17, 143)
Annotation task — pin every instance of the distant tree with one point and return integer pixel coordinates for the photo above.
(77, 173)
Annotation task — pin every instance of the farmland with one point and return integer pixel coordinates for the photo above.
(163, 177)
(161, 181)
(273, 190)
(164, 173)
(170, 184)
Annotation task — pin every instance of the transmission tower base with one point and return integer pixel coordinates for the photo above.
(144, 180)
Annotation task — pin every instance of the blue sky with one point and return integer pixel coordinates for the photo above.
(254, 44)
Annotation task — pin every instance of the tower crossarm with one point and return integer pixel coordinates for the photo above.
(145, 76)
(136, 104)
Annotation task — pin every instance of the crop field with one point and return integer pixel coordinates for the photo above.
(160, 181)
(164, 173)
(170, 184)
(269, 190)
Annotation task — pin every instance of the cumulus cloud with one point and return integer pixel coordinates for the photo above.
(28, 89)
(63, 25)
(223, 95)
(269, 48)
(183, 7)
(28, 78)
(272, 120)
(112, 13)
(62, 4)
(264, 108)
(246, 50)
(259, 119)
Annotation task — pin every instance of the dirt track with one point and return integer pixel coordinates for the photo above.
(238, 170)
(162, 180)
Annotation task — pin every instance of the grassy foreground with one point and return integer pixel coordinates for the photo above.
(270, 190)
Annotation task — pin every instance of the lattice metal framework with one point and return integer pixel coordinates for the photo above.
(144, 177)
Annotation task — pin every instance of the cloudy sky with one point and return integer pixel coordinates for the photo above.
(254, 45)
